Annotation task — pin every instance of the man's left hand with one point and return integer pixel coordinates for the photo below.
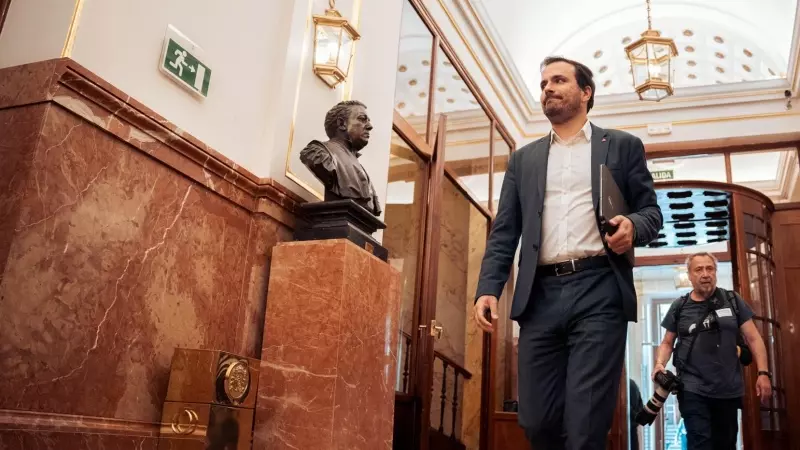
(764, 388)
(622, 239)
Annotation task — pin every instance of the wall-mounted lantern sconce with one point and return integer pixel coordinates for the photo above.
(334, 39)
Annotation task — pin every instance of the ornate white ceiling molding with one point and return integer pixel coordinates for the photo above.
(464, 21)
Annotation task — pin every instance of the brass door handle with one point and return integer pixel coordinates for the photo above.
(436, 329)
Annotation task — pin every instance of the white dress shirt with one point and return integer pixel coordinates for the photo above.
(569, 227)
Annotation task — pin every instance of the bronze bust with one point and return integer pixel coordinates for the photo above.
(335, 162)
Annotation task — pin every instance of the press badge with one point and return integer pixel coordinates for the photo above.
(724, 312)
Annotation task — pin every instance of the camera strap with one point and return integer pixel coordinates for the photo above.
(721, 298)
(730, 296)
(695, 330)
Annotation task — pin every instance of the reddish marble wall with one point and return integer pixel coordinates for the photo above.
(121, 238)
(328, 384)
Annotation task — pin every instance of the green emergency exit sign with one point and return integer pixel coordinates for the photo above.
(181, 60)
(661, 175)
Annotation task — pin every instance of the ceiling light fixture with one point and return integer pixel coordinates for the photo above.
(651, 63)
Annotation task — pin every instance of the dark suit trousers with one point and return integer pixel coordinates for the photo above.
(571, 351)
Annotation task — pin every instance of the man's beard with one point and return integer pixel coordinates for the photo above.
(564, 111)
(705, 290)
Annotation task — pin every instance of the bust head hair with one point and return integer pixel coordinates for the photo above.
(338, 116)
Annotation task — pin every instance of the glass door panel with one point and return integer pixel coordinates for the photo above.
(656, 288)
(468, 130)
(404, 218)
(764, 422)
(458, 351)
(415, 55)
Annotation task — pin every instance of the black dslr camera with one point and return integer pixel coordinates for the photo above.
(666, 383)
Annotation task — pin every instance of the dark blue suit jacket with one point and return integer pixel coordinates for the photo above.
(519, 214)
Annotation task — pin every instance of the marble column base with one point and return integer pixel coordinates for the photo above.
(328, 366)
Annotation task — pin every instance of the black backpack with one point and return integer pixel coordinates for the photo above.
(723, 295)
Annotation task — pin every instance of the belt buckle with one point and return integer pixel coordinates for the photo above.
(569, 272)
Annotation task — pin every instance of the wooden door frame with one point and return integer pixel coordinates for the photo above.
(404, 130)
(420, 147)
(751, 429)
(424, 307)
(4, 6)
(422, 347)
(426, 312)
(752, 435)
(672, 260)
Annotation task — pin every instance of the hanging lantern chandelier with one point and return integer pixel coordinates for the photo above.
(651, 63)
(334, 39)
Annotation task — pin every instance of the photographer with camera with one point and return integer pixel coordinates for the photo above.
(708, 323)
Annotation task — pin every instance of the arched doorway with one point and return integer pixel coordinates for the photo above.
(735, 223)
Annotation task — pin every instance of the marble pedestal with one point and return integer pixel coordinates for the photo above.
(328, 367)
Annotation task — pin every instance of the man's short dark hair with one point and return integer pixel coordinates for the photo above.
(339, 112)
(583, 75)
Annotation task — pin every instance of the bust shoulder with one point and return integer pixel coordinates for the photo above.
(314, 146)
(315, 152)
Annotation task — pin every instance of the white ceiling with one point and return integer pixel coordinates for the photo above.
(414, 71)
(725, 36)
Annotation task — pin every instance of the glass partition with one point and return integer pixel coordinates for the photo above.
(413, 86)
(757, 278)
(456, 402)
(656, 288)
(452, 214)
(405, 202)
(468, 130)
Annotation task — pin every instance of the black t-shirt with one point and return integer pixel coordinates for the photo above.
(713, 369)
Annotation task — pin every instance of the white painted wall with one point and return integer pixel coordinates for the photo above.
(121, 42)
(304, 99)
(264, 103)
(34, 30)
(374, 82)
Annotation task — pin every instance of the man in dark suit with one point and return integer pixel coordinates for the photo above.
(574, 292)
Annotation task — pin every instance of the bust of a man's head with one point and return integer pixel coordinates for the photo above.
(348, 122)
(335, 162)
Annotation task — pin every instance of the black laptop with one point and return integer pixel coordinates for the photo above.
(612, 204)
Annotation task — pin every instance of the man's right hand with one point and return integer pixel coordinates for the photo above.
(485, 302)
(658, 368)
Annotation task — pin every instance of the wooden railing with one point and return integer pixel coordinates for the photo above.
(448, 366)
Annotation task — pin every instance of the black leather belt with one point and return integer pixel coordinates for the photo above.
(573, 266)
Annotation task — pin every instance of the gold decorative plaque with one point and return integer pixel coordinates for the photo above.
(236, 380)
(210, 401)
